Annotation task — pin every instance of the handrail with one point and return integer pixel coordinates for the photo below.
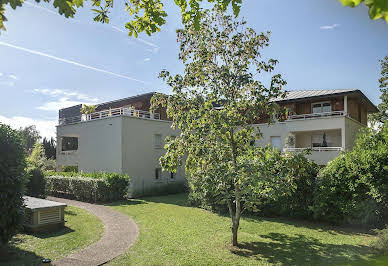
(315, 115)
(121, 111)
(319, 149)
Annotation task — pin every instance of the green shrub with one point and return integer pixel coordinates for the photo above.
(283, 186)
(353, 188)
(290, 181)
(382, 240)
(92, 187)
(70, 168)
(12, 182)
(35, 183)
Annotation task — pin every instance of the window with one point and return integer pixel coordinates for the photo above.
(172, 175)
(157, 141)
(69, 143)
(323, 107)
(275, 142)
(158, 173)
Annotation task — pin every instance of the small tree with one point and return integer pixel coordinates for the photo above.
(12, 179)
(214, 105)
(88, 109)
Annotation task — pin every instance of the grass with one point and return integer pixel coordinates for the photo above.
(81, 229)
(173, 234)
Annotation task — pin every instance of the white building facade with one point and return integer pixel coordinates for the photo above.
(118, 137)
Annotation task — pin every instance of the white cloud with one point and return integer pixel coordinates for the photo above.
(329, 27)
(59, 92)
(61, 103)
(69, 61)
(147, 59)
(1, 74)
(45, 127)
(13, 77)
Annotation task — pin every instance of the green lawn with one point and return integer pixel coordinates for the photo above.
(81, 230)
(172, 234)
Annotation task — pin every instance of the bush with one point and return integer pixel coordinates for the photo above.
(382, 240)
(70, 168)
(353, 188)
(290, 180)
(36, 183)
(12, 183)
(283, 186)
(92, 187)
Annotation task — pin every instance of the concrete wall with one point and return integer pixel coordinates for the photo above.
(141, 157)
(99, 145)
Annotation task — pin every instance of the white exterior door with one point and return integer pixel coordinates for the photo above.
(275, 142)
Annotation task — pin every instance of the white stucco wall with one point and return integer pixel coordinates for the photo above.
(99, 145)
(352, 128)
(141, 157)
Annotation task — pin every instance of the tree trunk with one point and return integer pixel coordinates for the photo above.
(234, 236)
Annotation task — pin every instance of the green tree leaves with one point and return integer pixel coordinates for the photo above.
(378, 9)
(145, 15)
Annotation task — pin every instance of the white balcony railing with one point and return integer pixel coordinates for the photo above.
(316, 115)
(319, 149)
(122, 111)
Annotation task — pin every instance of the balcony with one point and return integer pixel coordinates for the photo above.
(122, 111)
(317, 149)
(316, 115)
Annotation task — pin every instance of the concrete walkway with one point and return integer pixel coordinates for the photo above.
(120, 232)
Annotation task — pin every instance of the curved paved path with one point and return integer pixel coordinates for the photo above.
(120, 232)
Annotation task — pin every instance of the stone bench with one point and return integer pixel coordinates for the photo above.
(43, 215)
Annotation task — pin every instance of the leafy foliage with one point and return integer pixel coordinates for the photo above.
(88, 109)
(12, 182)
(37, 159)
(214, 104)
(91, 187)
(382, 240)
(70, 168)
(36, 183)
(30, 136)
(283, 186)
(146, 15)
(382, 115)
(50, 149)
(378, 9)
(353, 188)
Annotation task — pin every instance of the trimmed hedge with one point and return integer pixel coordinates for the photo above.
(102, 187)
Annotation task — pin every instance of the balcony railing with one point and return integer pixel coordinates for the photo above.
(319, 149)
(316, 115)
(122, 111)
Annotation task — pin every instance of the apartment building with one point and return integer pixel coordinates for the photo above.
(123, 136)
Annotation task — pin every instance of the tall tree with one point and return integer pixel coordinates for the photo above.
(50, 149)
(214, 104)
(144, 15)
(30, 136)
(382, 115)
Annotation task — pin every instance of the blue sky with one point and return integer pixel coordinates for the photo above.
(49, 62)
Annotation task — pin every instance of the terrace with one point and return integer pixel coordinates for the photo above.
(121, 111)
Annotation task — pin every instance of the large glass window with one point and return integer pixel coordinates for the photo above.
(323, 107)
(69, 143)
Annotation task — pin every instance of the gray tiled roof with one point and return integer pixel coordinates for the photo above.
(299, 94)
